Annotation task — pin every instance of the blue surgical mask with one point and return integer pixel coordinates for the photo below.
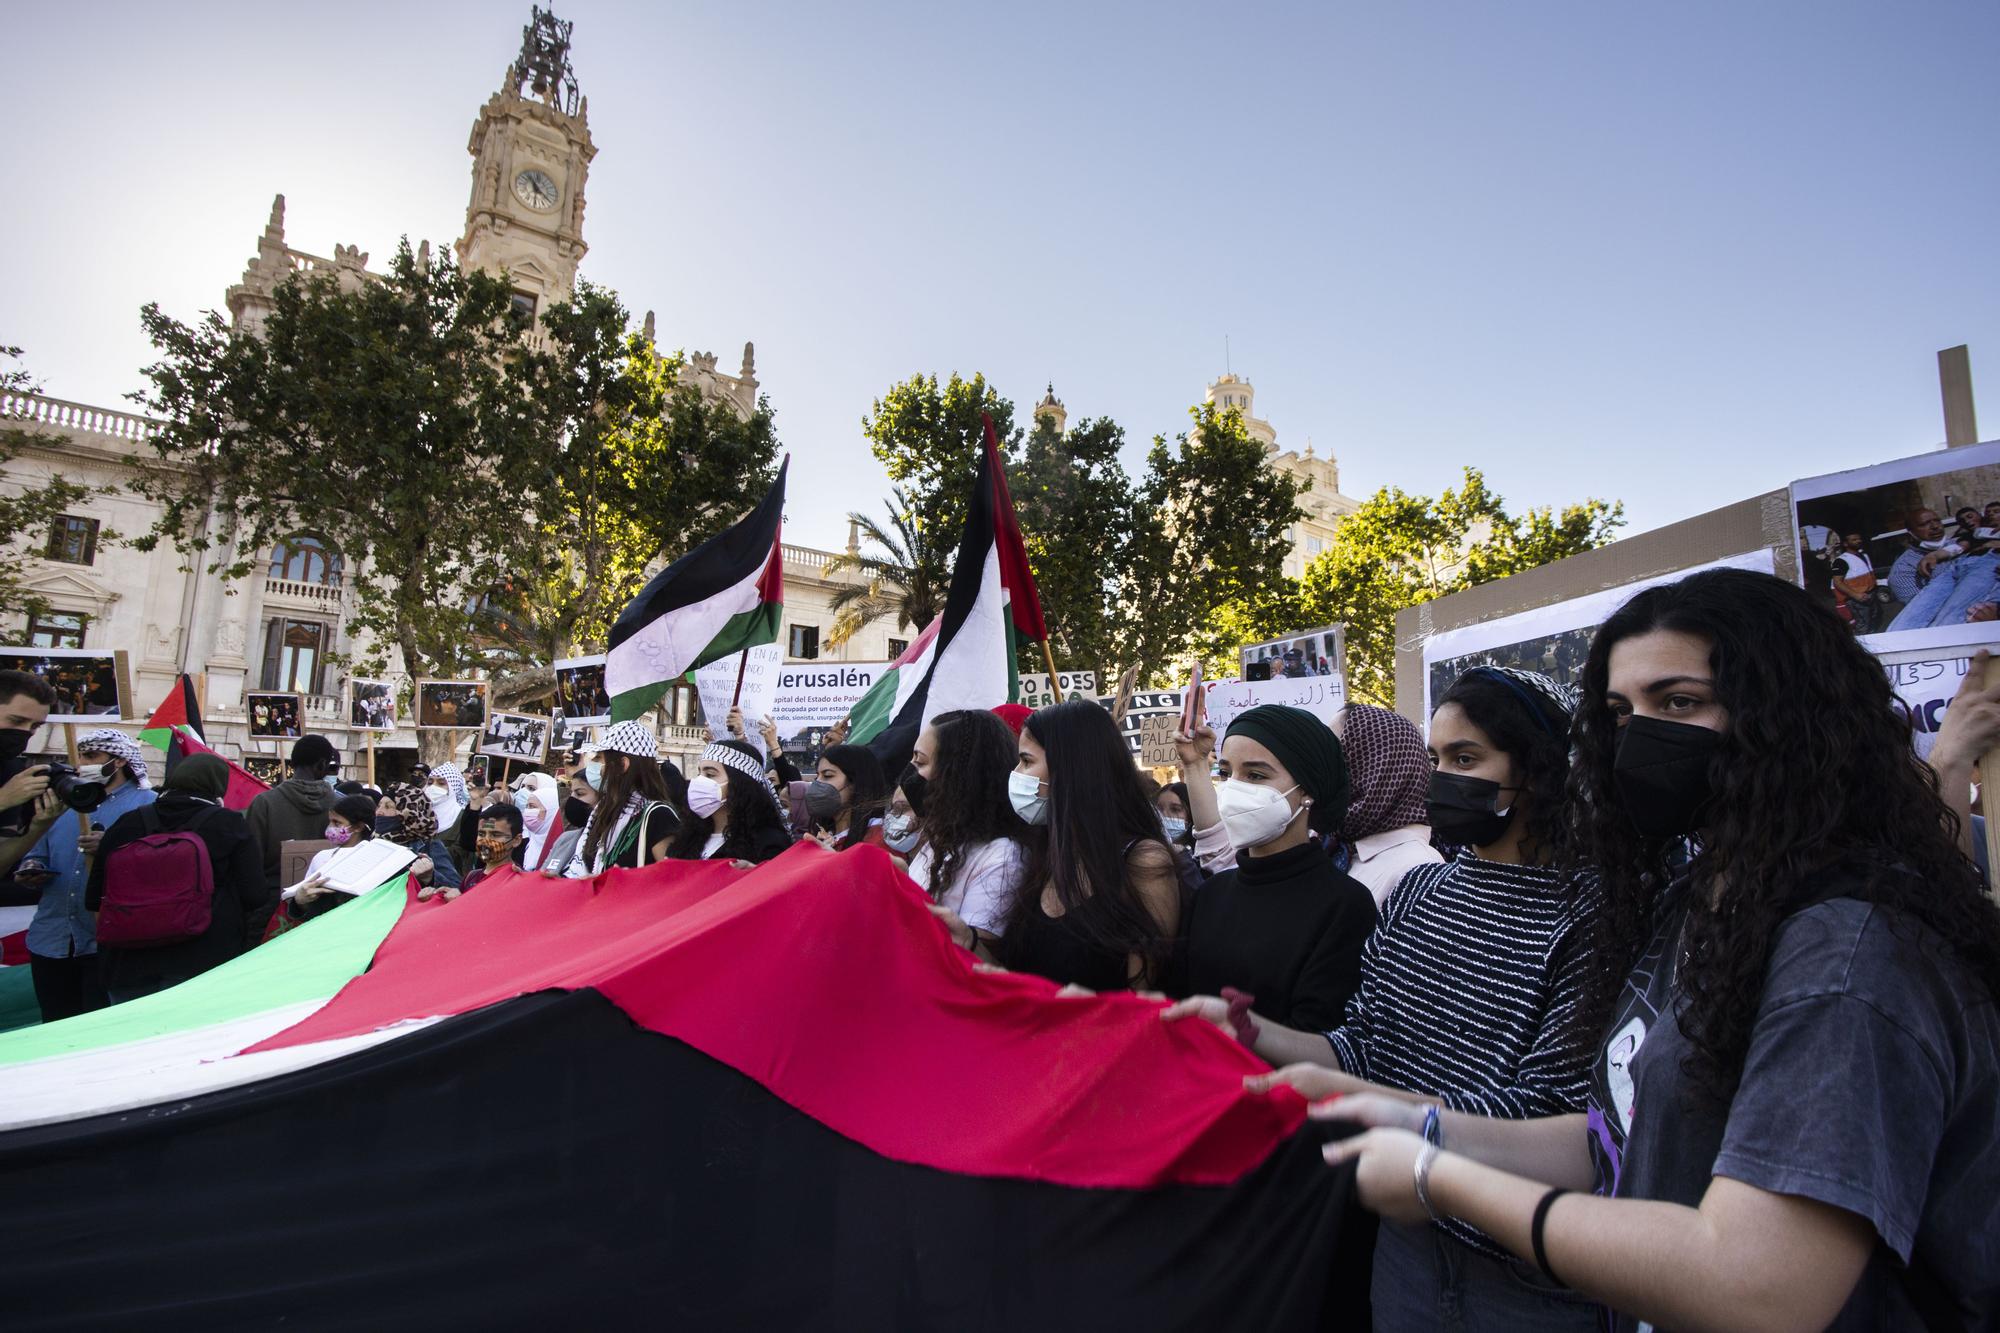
(1025, 791)
(1175, 829)
(593, 773)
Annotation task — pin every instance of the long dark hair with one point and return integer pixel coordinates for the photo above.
(1097, 813)
(752, 809)
(633, 775)
(1814, 777)
(867, 789)
(965, 793)
(1535, 735)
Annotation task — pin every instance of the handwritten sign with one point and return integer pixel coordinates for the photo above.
(1035, 691)
(1156, 739)
(1924, 689)
(1141, 706)
(1322, 696)
(717, 684)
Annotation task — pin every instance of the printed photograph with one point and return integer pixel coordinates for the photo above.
(517, 736)
(1559, 656)
(371, 705)
(1312, 653)
(88, 684)
(1907, 550)
(274, 716)
(580, 694)
(444, 704)
(268, 769)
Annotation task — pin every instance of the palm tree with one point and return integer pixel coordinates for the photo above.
(905, 578)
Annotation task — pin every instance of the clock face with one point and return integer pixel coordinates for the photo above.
(536, 190)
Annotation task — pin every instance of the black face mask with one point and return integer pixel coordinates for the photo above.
(1661, 773)
(13, 744)
(1465, 811)
(575, 813)
(914, 785)
(822, 800)
(388, 826)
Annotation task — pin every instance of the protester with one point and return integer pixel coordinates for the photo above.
(633, 822)
(1014, 715)
(25, 700)
(349, 823)
(449, 798)
(1795, 1106)
(539, 800)
(502, 843)
(848, 796)
(1470, 988)
(238, 899)
(1172, 805)
(62, 938)
(1284, 926)
(1386, 829)
(731, 816)
(295, 809)
(1195, 750)
(1099, 902)
(973, 857)
(404, 816)
(576, 810)
(903, 827)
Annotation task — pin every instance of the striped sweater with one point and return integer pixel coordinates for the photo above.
(1469, 993)
(1469, 990)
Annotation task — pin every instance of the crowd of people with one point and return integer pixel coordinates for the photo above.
(1667, 998)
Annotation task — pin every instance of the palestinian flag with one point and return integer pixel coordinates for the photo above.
(1017, 580)
(682, 1096)
(175, 731)
(724, 596)
(886, 697)
(969, 662)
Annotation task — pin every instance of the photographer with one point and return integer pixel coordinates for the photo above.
(62, 940)
(25, 701)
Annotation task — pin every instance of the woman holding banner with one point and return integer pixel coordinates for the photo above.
(1794, 1108)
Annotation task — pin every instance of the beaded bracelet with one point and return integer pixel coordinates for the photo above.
(1423, 1175)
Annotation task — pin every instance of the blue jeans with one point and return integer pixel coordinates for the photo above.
(1426, 1280)
(1957, 587)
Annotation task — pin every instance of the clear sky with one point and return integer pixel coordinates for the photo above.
(1671, 254)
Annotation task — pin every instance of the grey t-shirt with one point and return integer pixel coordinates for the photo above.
(1872, 1084)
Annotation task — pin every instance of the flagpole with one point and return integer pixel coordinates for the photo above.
(370, 736)
(742, 661)
(1055, 682)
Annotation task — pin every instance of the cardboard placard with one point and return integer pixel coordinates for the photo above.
(1035, 691)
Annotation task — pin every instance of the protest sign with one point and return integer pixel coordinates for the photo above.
(812, 696)
(1924, 684)
(1308, 653)
(1142, 705)
(1156, 739)
(1552, 639)
(1322, 696)
(581, 696)
(1912, 574)
(1035, 692)
(716, 683)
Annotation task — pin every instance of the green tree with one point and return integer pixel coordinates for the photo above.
(1210, 533)
(26, 517)
(1077, 511)
(902, 577)
(383, 416)
(1399, 550)
(928, 436)
(634, 467)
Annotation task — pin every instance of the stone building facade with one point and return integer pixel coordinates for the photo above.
(1325, 506)
(284, 627)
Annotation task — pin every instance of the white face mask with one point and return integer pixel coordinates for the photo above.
(900, 832)
(435, 792)
(1253, 815)
(1024, 790)
(704, 797)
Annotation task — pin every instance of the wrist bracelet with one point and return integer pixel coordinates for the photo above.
(1433, 1126)
(1423, 1175)
(1535, 1230)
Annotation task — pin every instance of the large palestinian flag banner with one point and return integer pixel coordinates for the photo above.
(683, 1096)
(724, 596)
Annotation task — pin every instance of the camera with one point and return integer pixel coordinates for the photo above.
(81, 791)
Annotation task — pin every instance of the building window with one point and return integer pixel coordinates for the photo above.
(73, 540)
(305, 559)
(1314, 546)
(57, 629)
(524, 304)
(897, 647)
(805, 641)
(294, 655)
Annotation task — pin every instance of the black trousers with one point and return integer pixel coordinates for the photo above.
(66, 987)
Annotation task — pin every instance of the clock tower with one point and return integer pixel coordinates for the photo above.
(531, 151)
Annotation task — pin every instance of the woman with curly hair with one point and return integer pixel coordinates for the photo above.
(1794, 1113)
(1470, 989)
(973, 854)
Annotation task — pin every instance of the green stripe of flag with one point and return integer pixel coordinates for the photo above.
(745, 629)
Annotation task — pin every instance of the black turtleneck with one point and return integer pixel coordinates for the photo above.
(1288, 929)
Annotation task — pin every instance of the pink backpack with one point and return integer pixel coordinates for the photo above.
(158, 890)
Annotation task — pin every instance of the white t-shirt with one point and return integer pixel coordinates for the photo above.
(712, 846)
(982, 888)
(1854, 566)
